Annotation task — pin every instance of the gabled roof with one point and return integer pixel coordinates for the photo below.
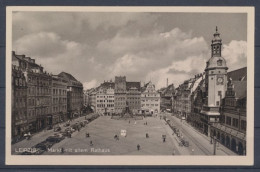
(238, 75)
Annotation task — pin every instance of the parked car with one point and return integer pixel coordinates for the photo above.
(66, 124)
(55, 138)
(184, 143)
(82, 124)
(76, 126)
(69, 129)
(66, 133)
(57, 129)
(44, 145)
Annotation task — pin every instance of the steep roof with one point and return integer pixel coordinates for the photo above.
(107, 85)
(67, 76)
(238, 75)
(240, 88)
(133, 85)
(22, 58)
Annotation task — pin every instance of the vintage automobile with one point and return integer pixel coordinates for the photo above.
(69, 129)
(57, 129)
(82, 124)
(184, 143)
(66, 133)
(55, 138)
(44, 145)
(66, 124)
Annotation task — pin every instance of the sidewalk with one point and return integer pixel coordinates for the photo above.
(179, 150)
(42, 135)
(221, 149)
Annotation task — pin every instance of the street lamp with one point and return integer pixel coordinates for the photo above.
(214, 146)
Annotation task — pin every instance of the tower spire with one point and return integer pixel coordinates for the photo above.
(216, 28)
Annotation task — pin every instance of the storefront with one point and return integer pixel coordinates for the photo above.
(231, 138)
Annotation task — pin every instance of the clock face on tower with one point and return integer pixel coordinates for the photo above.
(220, 80)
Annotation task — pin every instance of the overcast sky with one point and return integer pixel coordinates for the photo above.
(94, 47)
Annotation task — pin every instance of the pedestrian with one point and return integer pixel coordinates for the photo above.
(62, 150)
(129, 122)
(138, 147)
(192, 151)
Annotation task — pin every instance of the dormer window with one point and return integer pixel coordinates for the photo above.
(219, 62)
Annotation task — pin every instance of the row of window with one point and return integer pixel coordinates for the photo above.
(133, 98)
(59, 100)
(105, 96)
(105, 105)
(59, 108)
(120, 104)
(151, 95)
(20, 82)
(39, 91)
(59, 92)
(20, 115)
(230, 102)
(105, 101)
(39, 112)
(148, 100)
(149, 105)
(235, 122)
(20, 92)
(41, 81)
(120, 98)
(20, 102)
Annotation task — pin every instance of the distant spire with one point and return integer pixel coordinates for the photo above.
(216, 28)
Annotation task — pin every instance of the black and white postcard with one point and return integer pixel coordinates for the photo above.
(130, 85)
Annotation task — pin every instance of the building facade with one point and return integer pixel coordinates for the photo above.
(215, 84)
(120, 94)
(74, 95)
(231, 131)
(19, 104)
(166, 95)
(133, 97)
(150, 99)
(39, 84)
(59, 100)
(92, 99)
(105, 101)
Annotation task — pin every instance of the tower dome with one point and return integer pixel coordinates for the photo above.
(216, 60)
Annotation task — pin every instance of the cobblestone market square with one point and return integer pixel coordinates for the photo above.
(103, 130)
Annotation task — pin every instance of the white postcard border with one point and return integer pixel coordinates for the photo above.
(135, 160)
